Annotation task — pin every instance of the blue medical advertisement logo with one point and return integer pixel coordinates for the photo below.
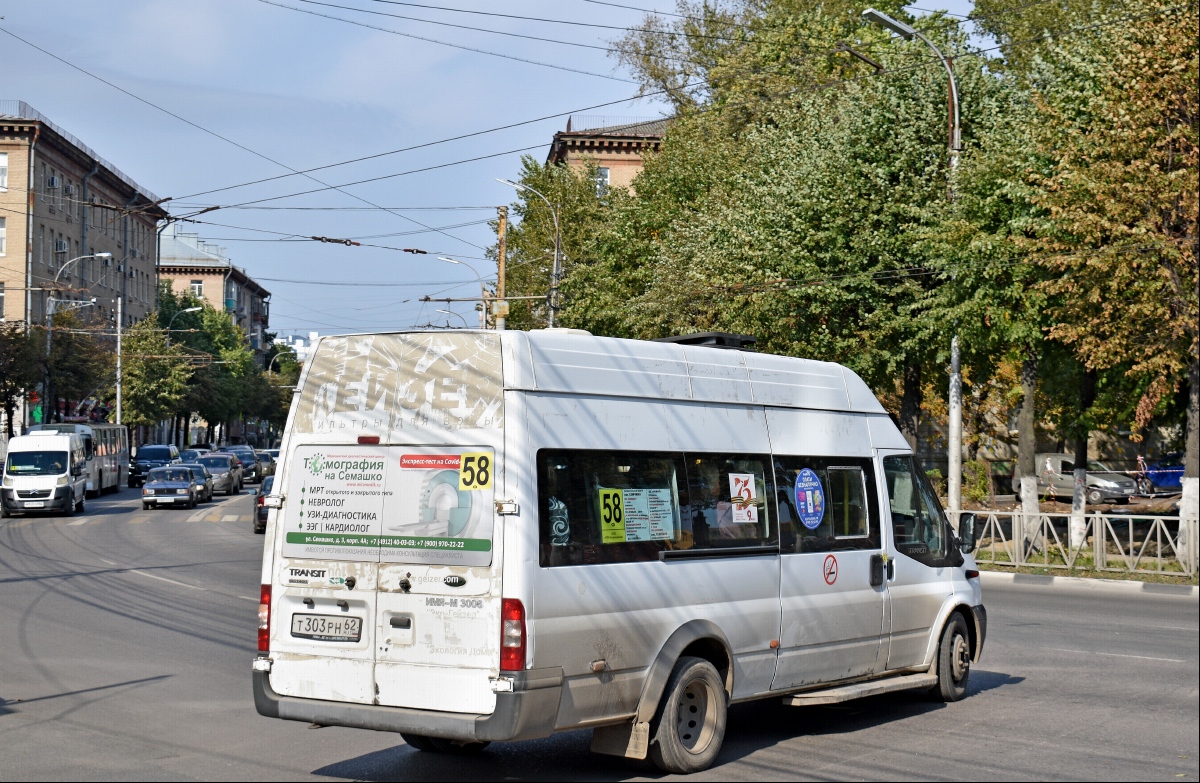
(810, 499)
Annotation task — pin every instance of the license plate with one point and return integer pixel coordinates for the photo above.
(35, 504)
(326, 628)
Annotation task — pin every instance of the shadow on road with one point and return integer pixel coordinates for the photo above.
(752, 727)
(6, 710)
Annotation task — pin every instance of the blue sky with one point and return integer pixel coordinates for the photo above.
(308, 91)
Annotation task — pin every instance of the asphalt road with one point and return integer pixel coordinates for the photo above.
(126, 638)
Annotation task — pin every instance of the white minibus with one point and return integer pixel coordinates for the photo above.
(107, 448)
(479, 536)
(44, 472)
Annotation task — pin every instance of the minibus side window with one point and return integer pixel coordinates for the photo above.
(917, 518)
(840, 511)
(729, 495)
(609, 506)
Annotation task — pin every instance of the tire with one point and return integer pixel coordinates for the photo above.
(419, 742)
(953, 661)
(145, 507)
(79, 507)
(687, 732)
(3, 512)
(1095, 497)
(69, 508)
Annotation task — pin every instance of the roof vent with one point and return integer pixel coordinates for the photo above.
(729, 340)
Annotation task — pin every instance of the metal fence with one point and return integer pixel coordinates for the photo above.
(1130, 543)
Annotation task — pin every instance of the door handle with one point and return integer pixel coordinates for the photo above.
(877, 570)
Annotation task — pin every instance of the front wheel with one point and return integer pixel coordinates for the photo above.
(1095, 497)
(687, 732)
(79, 506)
(953, 661)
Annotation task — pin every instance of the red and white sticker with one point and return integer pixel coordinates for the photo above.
(830, 569)
(430, 461)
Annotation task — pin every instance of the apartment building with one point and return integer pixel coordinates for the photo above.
(615, 145)
(189, 264)
(60, 202)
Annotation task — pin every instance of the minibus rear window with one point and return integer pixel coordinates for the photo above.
(36, 463)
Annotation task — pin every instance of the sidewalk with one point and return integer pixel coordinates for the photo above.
(998, 578)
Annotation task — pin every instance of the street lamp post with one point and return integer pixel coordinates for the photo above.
(482, 288)
(172, 321)
(552, 297)
(954, 469)
(50, 309)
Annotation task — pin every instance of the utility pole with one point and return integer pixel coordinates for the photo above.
(501, 303)
(120, 315)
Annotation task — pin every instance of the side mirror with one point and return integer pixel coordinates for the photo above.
(966, 532)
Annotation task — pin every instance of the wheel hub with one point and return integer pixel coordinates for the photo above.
(691, 724)
(960, 659)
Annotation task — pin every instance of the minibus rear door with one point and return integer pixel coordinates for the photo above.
(438, 620)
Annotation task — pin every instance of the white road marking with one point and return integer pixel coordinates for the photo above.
(1117, 655)
(248, 598)
(163, 579)
(230, 518)
(78, 522)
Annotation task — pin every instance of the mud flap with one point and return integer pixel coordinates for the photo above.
(631, 740)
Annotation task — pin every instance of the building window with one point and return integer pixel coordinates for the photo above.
(3, 234)
(198, 289)
(3, 171)
(602, 181)
(1, 301)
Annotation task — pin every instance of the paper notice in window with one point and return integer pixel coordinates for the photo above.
(744, 497)
(649, 515)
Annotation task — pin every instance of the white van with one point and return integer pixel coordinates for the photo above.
(44, 471)
(482, 536)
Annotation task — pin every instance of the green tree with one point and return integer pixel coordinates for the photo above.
(20, 369)
(155, 375)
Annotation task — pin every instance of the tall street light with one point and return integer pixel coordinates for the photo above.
(482, 288)
(954, 469)
(50, 309)
(172, 321)
(552, 297)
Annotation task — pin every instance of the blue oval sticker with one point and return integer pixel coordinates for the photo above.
(810, 499)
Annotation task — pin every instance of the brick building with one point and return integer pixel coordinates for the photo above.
(189, 264)
(59, 201)
(615, 146)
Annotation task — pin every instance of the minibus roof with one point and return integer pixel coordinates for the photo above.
(573, 361)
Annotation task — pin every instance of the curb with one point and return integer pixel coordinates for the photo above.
(1121, 585)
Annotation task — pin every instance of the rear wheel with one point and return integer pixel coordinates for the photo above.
(418, 742)
(687, 732)
(954, 661)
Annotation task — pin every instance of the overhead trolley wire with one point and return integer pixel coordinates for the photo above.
(214, 134)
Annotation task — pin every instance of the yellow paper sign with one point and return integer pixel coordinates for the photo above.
(612, 516)
(475, 470)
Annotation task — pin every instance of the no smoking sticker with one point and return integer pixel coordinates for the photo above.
(830, 569)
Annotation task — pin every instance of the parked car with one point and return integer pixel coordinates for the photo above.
(1166, 474)
(251, 467)
(260, 506)
(149, 457)
(268, 463)
(171, 486)
(203, 480)
(226, 470)
(1056, 478)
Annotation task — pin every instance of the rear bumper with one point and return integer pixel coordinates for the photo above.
(528, 712)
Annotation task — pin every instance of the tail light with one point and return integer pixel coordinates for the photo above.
(261, 498)
(512, 635)
(264, 619)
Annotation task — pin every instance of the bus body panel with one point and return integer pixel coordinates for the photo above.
(596, 632)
